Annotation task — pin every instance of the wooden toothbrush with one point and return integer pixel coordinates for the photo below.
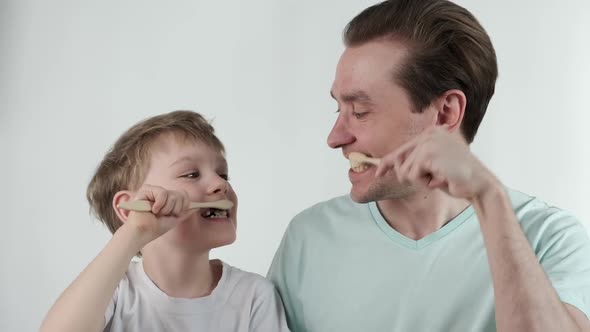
(146, 206)
(357, 159)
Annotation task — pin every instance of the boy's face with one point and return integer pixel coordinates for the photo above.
(183, 164)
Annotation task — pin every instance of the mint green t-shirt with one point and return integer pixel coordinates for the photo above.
(341, 267)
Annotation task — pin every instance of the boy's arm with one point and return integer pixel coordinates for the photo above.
(82, 305)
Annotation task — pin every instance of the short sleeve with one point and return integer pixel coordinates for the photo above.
(284, 272)
(110, 311)
(268, 313)
(562, 246)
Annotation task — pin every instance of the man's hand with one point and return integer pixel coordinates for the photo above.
(438, 159)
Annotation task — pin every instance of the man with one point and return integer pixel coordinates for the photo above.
(430, 239)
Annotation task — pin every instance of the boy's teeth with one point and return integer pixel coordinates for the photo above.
(214, 213)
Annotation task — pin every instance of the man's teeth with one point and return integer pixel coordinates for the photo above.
(358, 166)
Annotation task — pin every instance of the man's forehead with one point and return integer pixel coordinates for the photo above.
(371, 58)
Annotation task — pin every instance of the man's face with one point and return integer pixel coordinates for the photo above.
(375, 115)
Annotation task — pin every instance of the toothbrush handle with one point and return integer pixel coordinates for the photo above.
(146, 206)
(139, 206)
(374, 161)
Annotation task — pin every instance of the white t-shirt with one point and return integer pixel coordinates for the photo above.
(242, 301)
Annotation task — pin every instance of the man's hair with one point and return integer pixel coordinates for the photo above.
(125, 165)
(447, 49)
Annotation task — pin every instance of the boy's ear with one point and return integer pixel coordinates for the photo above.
(122, 196)
(451, 109)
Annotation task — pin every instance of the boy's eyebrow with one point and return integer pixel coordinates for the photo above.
(222, 161)
(182, 160)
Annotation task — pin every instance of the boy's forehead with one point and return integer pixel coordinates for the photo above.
(178, 147)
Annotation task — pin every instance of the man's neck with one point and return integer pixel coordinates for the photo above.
(422, 213)
(180, 274)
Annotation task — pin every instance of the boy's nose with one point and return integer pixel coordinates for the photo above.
(218, 185)
(340, 135)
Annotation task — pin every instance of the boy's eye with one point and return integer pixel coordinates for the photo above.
(191, 175)
(224, 176)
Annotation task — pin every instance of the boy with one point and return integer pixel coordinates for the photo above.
(169, 160)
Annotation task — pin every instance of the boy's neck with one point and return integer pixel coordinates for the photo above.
(181, 275)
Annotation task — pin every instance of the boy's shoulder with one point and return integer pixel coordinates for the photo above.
(241, 289)
(237, 277)
(235, 285)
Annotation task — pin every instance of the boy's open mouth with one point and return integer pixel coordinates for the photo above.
(212, 213)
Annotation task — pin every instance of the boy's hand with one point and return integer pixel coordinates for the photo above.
(169, 208)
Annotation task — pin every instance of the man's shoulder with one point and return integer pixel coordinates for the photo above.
(339, 204)
(323, 211)
(542, 222)
(530, 208)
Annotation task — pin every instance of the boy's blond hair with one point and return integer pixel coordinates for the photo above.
(125, 166)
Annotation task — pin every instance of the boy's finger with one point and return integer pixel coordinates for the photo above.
(160, 199)
(168, 208)
(178, 207)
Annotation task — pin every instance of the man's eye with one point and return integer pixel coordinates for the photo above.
(191, 175)
(359, 115)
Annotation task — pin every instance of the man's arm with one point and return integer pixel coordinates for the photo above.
(525, 298)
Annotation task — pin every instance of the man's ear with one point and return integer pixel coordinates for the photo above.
(122, 196)
(451, 109)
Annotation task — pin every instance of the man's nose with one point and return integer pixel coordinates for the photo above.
(340, 134)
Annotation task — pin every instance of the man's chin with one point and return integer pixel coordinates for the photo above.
(360, 198)
(380, 191)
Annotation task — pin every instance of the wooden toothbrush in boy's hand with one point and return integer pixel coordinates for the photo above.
(146, 206)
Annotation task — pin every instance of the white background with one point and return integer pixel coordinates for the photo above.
(74, 75)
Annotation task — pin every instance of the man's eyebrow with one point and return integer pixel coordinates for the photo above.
(356, 96)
